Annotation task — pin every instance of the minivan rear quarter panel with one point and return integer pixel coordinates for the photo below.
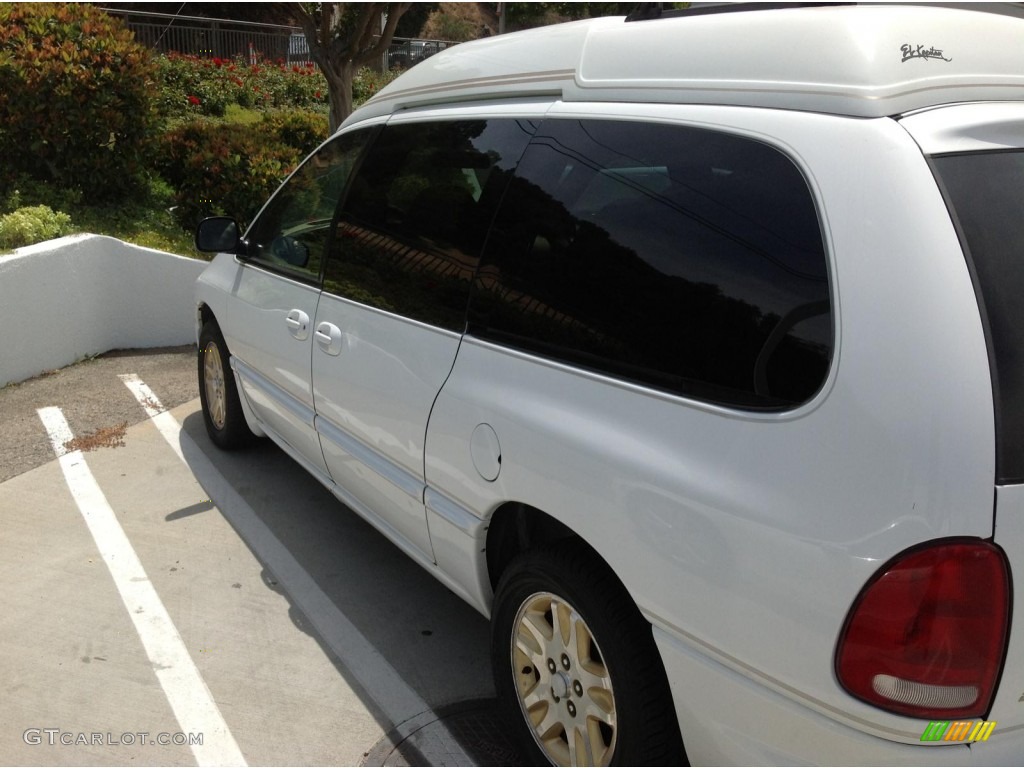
(719, 520)
(977, 155)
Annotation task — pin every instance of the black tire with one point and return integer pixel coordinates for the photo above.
(222, 410)
(603, 687)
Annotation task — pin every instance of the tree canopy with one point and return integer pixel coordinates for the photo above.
(343, 37)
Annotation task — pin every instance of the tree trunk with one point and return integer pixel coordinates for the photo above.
(341, 37)
(339, 85)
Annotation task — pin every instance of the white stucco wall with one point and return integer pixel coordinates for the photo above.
(85, 294)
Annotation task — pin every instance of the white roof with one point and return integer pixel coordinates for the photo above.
(866, 61)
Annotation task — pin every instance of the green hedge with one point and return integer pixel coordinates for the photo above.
(32, 224)
(92, 123)
(190, 85)
(76, 101)
(303, 130)
(222, 168)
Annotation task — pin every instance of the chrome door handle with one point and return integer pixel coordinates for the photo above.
(328, 336)
(298, 324)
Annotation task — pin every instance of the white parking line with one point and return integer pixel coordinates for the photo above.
(166, 424)
(185, 689)
(400, 703)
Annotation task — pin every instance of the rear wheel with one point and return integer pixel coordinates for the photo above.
(222, 410)
(576, 667)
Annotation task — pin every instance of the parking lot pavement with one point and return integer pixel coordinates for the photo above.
(92, 397)
(240, 605)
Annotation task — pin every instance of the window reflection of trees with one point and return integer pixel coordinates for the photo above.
(413, 226)
(427, 284)
(678, 286)
(304, 208)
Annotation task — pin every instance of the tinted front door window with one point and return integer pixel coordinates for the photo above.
(291, 233)
(414, 223)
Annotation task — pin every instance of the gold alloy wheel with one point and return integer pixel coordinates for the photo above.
(213, 380)
(565, 690)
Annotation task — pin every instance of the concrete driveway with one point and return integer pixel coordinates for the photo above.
(166, 603)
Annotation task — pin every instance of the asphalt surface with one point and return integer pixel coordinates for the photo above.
(96, 400)
(311, 639)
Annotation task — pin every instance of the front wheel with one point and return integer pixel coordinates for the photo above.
(218, 395)
(576, 666)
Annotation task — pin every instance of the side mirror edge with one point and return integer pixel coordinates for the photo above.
(218, 234)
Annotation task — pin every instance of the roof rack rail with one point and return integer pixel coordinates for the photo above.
(651, 11)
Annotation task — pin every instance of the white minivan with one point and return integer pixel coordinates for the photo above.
(690, 350)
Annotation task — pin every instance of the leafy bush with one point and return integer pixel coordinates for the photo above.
(27, 191)
(303, 130)
(222, 134)
(443, 25)
(190, 85)
(143, 219)
(75, 98)
(368, 82)
(242, 115)
(222, 168)
(230, 168)
(33, 224)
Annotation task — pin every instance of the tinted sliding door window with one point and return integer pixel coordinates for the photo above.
(291, 233)
(677, 257)
(413, 225)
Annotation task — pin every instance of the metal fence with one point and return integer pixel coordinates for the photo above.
(216, 38)
(226, 39)
(404, 52)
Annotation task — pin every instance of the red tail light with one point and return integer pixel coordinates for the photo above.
(926, 637)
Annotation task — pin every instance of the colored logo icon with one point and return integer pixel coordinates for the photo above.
(958, 730)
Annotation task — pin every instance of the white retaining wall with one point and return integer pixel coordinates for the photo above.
(85, 294)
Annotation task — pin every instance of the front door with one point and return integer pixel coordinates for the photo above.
(276, 294)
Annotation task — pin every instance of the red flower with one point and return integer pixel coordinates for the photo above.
(194, 100)
(319, 95)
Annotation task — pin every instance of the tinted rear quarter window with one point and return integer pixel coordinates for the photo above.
(681, 258)
(985, 192)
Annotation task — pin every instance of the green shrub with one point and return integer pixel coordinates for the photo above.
(27, 191)
(242, 115)
(368, 82)
(75, 98)
(222, 168)
(190, 85)
(34, 224)
(301, 129)
(229, 167)
(443, 25)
